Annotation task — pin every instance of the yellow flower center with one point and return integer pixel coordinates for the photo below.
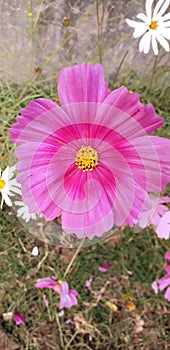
(86, 158)
(153, 25)
(58, 287)
(2, 184)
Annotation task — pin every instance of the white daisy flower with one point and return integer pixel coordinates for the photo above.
(8, 185)
(23, 212)
(154, 28)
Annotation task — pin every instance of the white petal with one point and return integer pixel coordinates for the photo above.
(165, 25)
(148, 7)
(35, 251)
(7, 200)
(165, 17)
(5, 174)
(144, 43)
(12, 169)
(140, 30)
(21, 211)
(2, 202)
(163, 9)
(142, 17)
(131, 23)
(162, 41)
(157, 7)
(165, 32)
(154, 45)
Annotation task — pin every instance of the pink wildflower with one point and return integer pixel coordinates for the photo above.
(67, 296)
(18, 318)
(90, 161)
(103, 268)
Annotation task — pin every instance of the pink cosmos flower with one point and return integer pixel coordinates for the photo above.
(67, 296)
(90, 161)
(18, 318)
(164, 282)
(103, 268)
(155, 213)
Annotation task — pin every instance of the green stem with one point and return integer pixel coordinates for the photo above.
(152, 74)
(74, 257)
(31, 37)
(100, 28)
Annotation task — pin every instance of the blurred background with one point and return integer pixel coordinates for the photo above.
(39, 37)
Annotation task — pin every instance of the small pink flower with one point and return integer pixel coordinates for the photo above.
(88, 282)
(18, 318)
(67, 297)
(103, 268)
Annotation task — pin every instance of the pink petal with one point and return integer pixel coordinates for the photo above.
(18, 318)
(88, 282)
(67, 297)
(73, 296)
(167, 256)
(103, 268)
(167, 294)
(82, 83)
(130, 103)
(155, 287)
(164, 282)
(167, 269)
(47, 282)
(33, 110)
(163, 228)
(45, 300)
(162, 148)
(164, 199)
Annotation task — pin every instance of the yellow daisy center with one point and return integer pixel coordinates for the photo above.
(86, 158)
(153, 25)
(2, 184)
